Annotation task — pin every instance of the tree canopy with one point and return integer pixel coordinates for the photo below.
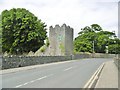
(94, 39)
(22, 31)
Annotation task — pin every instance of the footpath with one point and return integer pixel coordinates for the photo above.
(108, 77)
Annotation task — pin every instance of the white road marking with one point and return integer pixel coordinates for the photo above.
(25, 83)
(18, 86)
(33, 81)
(68, 69)
(41, 78)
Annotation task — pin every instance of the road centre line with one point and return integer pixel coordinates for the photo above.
(39, 79)
(33, 81)
(25, 83)
(68, 69)
(18, 86)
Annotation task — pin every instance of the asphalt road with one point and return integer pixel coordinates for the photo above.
(65, 75)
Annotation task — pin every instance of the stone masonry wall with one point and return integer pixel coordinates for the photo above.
(21, 61)
(68, 41)
(61, 40)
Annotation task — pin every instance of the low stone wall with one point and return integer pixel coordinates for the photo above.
(93, 55)
(17, 61)
(21, 61)
(80, 56)
(101, 55)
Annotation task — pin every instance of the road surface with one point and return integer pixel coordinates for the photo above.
(65, 75)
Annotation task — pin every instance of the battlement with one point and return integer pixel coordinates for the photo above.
(63, 27)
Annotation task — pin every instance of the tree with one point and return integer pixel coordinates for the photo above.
(92, 28)
(114, 46)
(94, 38)
(103, 40)
(22, 31)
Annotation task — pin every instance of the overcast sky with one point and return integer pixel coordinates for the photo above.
(75, 13)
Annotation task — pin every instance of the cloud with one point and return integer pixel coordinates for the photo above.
(76, 13)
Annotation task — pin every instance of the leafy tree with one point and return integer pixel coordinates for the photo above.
(94, 37)
(92, 28)
(47, 42)
(22, 31)
(96, 27)
(103, 40)
(114, 46)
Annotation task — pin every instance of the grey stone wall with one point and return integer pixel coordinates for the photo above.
(21, 61)
(102, 55)
(68, 40)
(80, 56)
(61, 40)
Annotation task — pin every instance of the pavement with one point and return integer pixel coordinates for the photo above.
(73, 74)
(109, 76)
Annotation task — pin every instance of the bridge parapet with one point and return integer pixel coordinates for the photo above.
(22, 61)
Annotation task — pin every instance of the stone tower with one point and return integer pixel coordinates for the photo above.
(61, 40)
